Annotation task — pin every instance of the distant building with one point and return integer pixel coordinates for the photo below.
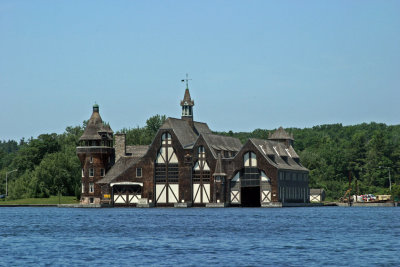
(186, 163)
(317, 195)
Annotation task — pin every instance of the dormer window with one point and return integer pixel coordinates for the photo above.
(272, 157)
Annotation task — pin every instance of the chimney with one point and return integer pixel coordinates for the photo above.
(120, 146)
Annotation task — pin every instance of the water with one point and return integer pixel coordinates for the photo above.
(331, 236)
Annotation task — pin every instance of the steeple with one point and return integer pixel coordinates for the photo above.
(187, 103)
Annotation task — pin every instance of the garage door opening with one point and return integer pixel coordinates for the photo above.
(250, 196)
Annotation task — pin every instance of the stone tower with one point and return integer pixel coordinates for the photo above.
(97, 155)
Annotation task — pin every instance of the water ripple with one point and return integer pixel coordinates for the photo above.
(200, 237)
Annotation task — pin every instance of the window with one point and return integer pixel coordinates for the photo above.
(201, 170)
(83, 172)
(250, 159)
(91, 172)
(226, 154)
(91, 200)
(166, 164)
(91, 159)
(202, 151)
(272, 157)
(138, 172)
(102, 172)
(83, 188)
(91, 187)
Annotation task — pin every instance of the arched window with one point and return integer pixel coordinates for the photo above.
(250, 159)
(201, 178)
(201, 168)
(251, 174)
(166, 161)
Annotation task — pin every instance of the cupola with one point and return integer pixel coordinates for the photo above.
(282, 136)
(187, 103)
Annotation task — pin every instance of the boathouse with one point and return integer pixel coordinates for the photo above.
(188, 165)
(317, 195)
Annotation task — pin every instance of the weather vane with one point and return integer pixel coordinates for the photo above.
(187, 81)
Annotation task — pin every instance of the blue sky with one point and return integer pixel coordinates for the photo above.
(254, 64)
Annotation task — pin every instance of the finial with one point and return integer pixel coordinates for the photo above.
(95, 107)
(187, 81)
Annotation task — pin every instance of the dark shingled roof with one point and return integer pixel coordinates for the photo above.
(281, 158)
(95, 126)
(280, 134)
(293, 152)
(223, 143)
(184, 131)
(137, 151)
(316, 191)
(120, 167)
(202, 128)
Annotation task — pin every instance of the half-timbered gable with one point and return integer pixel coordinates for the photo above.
(251, 182)
(210, 152)
(183, 134)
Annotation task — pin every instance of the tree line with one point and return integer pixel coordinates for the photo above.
(48, 165)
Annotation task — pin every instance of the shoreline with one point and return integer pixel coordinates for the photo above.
(284, 205)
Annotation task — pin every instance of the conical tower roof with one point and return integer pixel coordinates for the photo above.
(95, 127)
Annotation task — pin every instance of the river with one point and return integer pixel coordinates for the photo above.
(330, 236)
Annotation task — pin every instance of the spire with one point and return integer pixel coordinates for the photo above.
(218, 168)
(187, 103)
